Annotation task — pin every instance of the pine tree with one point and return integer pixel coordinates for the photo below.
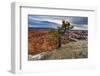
(66, 26)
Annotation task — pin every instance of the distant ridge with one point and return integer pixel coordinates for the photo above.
(40, 28)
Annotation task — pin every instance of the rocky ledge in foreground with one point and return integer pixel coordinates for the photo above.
(72, 50)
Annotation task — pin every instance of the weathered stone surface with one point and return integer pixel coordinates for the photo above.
(45, 40)
(41, 41)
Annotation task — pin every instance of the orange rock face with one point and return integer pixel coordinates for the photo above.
(41, 41)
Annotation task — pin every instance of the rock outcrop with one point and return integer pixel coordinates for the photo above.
(45, 40)
(41, 41)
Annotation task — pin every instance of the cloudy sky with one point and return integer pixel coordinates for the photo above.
(40, 21)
